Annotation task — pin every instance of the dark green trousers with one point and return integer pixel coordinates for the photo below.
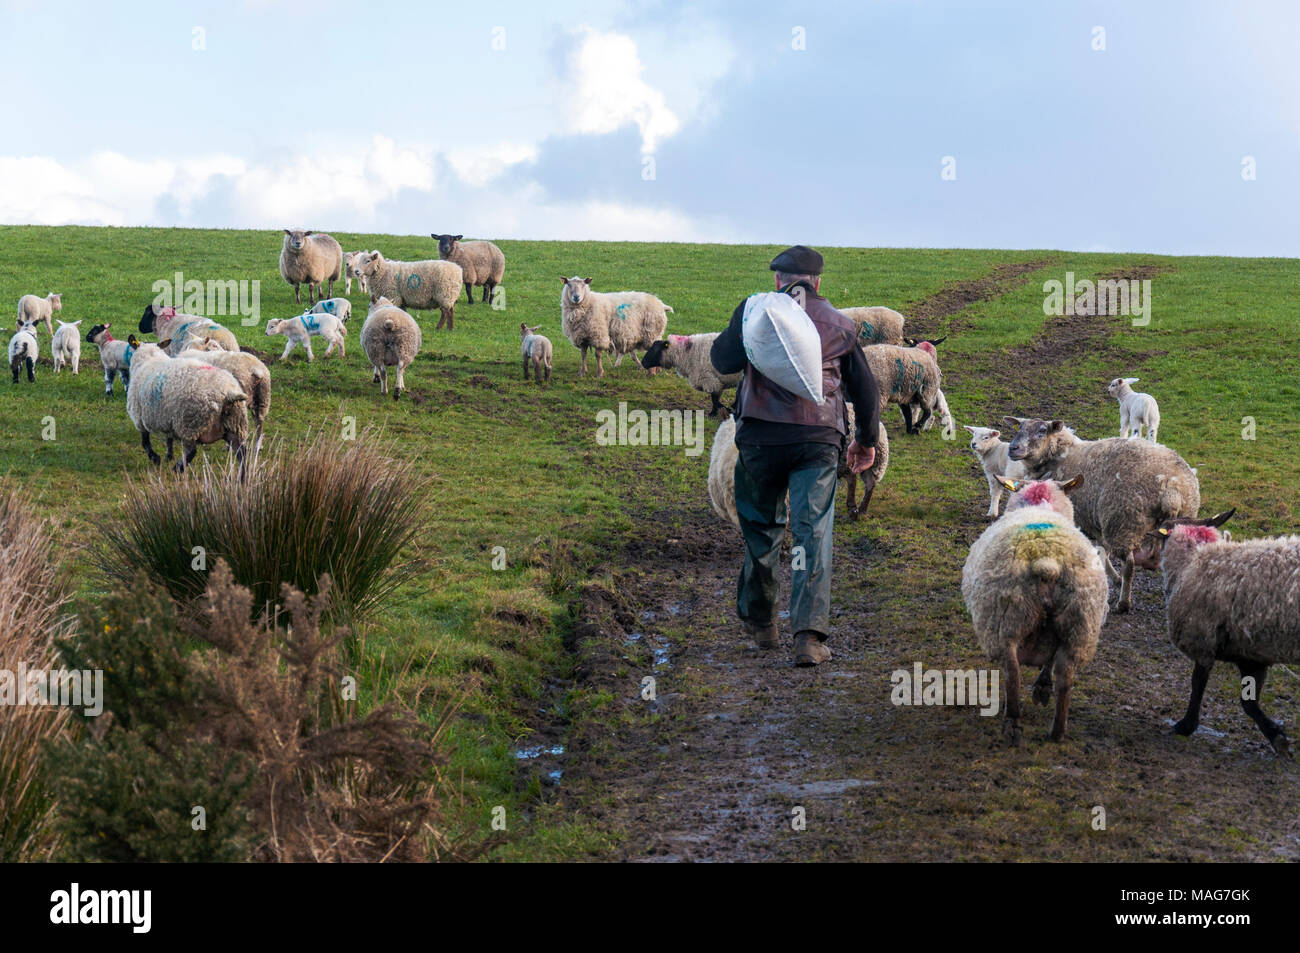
(764, 475)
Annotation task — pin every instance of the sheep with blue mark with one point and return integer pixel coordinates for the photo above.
(303, 327)
(1037, 595)
(341, 308)
(181, 329)
(609, 321)
(253, 377)
(424, 285)
(185, 400)
(114, 355)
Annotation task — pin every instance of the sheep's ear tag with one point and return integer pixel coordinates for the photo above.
(1072, 484)
(1012, 485)
(1162, 531)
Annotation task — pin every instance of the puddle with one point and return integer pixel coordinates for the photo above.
(821, 788)
(648, 615)
(524, 754)
(554, 777)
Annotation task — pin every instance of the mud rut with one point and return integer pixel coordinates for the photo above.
(716, 766)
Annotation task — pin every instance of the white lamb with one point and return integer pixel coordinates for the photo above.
(992, 455)
(66, 346)
(301, 328)
(1137, 411)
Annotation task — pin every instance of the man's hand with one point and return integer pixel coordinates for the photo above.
(860, 457)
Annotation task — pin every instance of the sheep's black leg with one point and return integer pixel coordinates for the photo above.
(126, 378)
(31, 369)
(16, 366)
(170, 442)
(1272, 730)
(907, 417)
(1043, 685)
(1064, 671)
(190, 450)
(148, 448)
(926, 414)
(109, 374)
(1200, 675)
(489, 289)
(717, 405)
(526, 369)
(469, 292)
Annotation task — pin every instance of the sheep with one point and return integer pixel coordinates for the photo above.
(1037, 595)
(179, 328)
(482, 262)
(536, 350)
(391, 338)
(114, 355)
(24, 349)
(909, 377)
(310, 258)
(1132, 486)
(186, 400)
(688, 355)
(876, 325)
(722, 470)
(300, 329)
(614, 321)
(349, 262)
(992, 455)
(66, 346)
(1137, 411)
(253, 377)
(1232, 602)
(414, 284)
(341, 308)
(35, 309)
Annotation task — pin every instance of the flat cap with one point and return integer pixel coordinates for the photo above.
(798, 260)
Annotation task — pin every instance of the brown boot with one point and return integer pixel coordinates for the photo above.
(809, 649)
(764, 636)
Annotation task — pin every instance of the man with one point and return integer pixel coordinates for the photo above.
(789, 444)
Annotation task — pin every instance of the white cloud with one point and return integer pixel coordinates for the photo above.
(604, 90)
(480, 166)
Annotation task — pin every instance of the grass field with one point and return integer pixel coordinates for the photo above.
(505, 464)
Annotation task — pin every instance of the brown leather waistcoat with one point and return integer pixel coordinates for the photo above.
(762, 399)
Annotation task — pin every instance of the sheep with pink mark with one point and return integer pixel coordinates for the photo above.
(689, 356)
(1037, 595)
(1231, 601)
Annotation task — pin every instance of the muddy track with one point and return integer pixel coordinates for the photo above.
(737, 745)
(925, 315)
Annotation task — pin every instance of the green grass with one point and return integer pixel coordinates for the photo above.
(502, 464)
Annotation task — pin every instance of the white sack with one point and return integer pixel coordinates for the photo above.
(783, 344)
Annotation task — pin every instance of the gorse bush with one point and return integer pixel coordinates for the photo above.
(245, 718)
(325, 507)
(33, 591)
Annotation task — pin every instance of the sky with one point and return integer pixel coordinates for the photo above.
(1163, 126)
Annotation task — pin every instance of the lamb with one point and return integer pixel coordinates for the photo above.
(34, 309)
(310, 258)
(391, 338)
(481, 262)
(1131, 486)
(66, 347)
(114, 355)
(341, 308)
(614, 321)
(722, 470)
(24, 349)
(301, 328)
(688, 355)
(536, 351)
(876, 325)
(992, 455)
(1037, 595)
(251, 374)
(909, 377)
(180, 329)
(1137, 411)
(349, 263)
(414, 284)
(1232, 602)
(186, 400)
